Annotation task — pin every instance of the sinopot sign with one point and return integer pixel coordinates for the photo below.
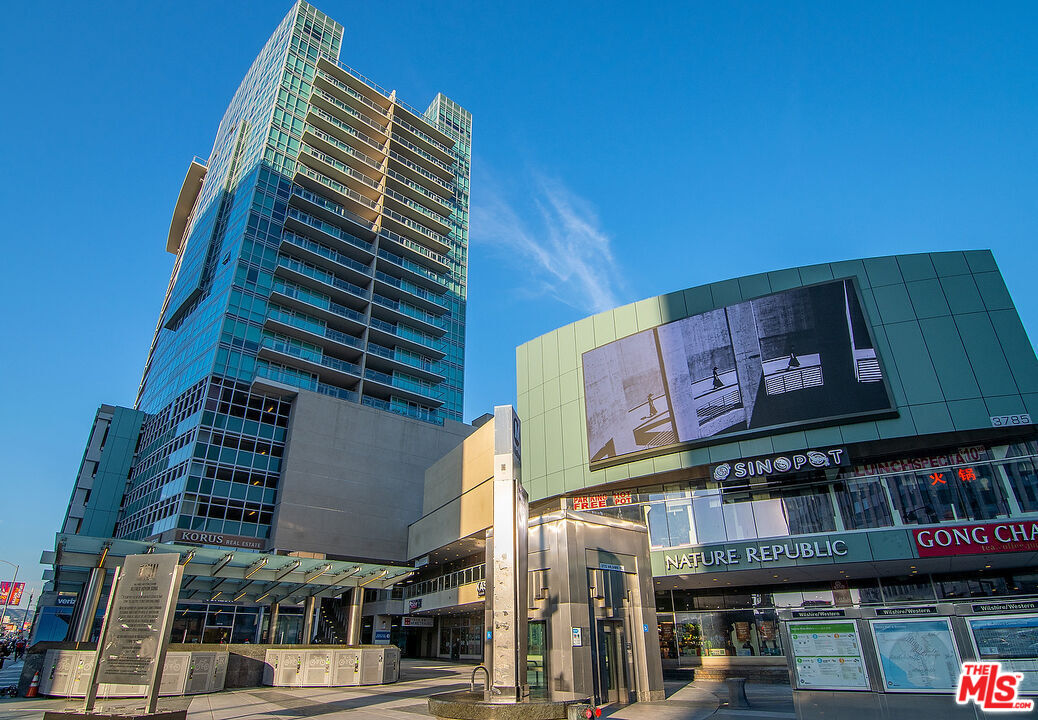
(779, 464)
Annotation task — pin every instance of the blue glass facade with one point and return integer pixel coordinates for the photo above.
(326, 250)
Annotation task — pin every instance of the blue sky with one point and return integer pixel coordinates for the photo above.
(621, 150)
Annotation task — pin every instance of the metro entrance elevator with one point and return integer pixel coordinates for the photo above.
(592, 619)
(614, 661)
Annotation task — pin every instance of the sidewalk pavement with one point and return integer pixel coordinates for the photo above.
(407, 699)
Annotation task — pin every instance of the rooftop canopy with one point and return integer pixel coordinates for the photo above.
(223, 574)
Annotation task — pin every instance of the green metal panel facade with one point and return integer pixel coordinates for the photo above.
(951, 342)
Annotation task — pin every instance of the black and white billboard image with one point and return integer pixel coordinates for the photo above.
(798, 358)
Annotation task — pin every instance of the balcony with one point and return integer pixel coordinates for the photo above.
(401, 290)
(362, 105)
(318, 305)
(335, 287)
(407, 227)
(286, 323)
(355, 86)
(409, 149)
(413, 271)
(318, 205)
(422, 140)
(386, 333)
(335, 168)
(419, 174)
(325, 257)
(395, 311)
(317, 120)
(335, 237)
(418, 413)
(382, 384)
(366, 135)
(280, 375)
(389, 359)
(406, 186)
(410, 248)
(416, 211)
(325, 366)
(418, 120)
(351, 200)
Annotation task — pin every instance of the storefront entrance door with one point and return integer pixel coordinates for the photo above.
(612, 674)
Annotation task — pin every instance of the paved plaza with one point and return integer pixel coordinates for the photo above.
(406, 699)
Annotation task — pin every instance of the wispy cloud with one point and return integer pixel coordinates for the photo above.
(555, 239)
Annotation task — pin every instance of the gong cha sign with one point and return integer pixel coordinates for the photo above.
(977, 539)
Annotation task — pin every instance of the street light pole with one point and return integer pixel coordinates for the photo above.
(10, 590)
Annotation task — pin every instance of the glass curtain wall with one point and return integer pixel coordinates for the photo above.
(681, 516)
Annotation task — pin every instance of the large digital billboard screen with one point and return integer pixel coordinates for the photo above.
(798, 358)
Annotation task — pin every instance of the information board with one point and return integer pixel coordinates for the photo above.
(137, 618)
(827, 656)
(1012, 641)
(917, 655)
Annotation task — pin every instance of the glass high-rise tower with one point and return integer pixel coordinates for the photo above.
(322, 246)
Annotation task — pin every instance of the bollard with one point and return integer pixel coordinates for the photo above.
(737, 693)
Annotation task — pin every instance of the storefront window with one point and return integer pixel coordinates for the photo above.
(810, 512)
(664, 603)
(948, 494)
(187, 626)
(729, 632)
(670, 520)
(290, 626)
(1024, 584)
(709, 601)
(866, 592)
(738, 519)
(461, 636)
(951, 588)
(706, 507)
(863, 504)
(244, 629)
(1024, 480)
(769, 518)
(668, 644)
(537, 672)
(684, 600)
(907, 588)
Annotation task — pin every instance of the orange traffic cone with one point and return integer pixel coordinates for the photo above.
(34, 686)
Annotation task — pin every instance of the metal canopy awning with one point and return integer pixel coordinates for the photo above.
(224, 574)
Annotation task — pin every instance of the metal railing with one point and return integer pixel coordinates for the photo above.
(325, 252)
(414, 246)
(332, 207)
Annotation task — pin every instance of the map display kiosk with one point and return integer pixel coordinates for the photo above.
(827, 654)
(1005, 632)
(917, 654)
(887, 663)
